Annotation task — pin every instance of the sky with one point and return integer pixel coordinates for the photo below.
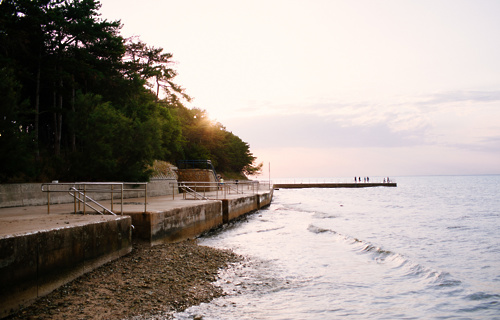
(337, 88)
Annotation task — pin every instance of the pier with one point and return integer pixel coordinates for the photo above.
(333, 185)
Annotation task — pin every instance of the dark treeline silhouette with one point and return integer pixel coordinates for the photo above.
(79, 102)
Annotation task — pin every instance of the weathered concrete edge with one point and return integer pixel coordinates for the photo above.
(186, 222)
(176, 224)
(33, 265)
(235, 208)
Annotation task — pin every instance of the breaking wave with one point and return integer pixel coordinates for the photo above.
(398, 262)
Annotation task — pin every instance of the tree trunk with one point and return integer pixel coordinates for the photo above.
(73, 124)
(54, 97)
(157, 88)
(37, 110)
(59, 123)
(58, 104)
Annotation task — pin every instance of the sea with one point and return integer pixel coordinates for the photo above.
(426, 249)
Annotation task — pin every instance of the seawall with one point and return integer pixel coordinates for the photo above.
(189, 218)
(33, 262)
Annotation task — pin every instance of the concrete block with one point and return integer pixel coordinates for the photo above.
(142, 225)
(234, 208)
(60, 258)
(265, 199)
(106, 241)
(32, 265)
(10, 195)
(18, 272)
(187, 222)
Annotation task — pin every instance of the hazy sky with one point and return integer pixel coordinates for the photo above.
(339, 87)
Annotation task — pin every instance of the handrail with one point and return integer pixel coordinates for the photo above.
(190, 190)
(89, 198)
(218, 190)
(82, 188)
(231, 187)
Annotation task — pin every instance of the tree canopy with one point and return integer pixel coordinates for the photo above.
(80, 102)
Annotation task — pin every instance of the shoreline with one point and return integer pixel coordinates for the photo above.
(148, 282)
(43, 251)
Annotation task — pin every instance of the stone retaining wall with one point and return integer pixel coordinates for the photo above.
(201, 175)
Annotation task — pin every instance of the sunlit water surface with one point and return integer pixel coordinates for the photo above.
(428, 249)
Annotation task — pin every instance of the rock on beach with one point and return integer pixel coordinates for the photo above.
(149, 282)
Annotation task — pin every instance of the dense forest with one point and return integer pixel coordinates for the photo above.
(79, 102)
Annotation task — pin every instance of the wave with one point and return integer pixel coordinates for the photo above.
(457, 227)
(315, 229)
(398, 262)
(323, 215)
(482, 296)
(486, 303)
(299, 207)
(271, 229)
(315, 213)
(377, 253)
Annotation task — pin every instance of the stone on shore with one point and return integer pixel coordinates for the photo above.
(149, 281)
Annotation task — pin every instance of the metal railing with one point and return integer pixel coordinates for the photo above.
(188, 190)
(217, 190)
(80, 193)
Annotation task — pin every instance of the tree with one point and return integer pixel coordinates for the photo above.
(206, 139)
(153, 66)
(81, 103)
(16, 138)
(57, 47)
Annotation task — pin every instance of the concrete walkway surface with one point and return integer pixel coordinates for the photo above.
(29, 219)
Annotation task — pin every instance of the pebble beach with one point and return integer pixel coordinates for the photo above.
(150, 282)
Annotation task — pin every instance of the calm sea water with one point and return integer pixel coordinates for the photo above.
(428, 249)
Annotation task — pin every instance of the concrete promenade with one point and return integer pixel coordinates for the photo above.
(334, 185)
(40, 252)
(29, 219)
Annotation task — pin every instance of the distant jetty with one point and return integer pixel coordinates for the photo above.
(278, 186)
